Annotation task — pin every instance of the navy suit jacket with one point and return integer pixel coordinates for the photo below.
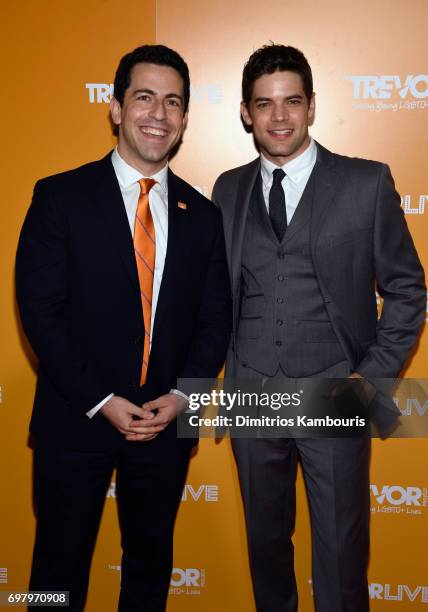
(79, 300)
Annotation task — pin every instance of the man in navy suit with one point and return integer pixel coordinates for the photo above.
(113, 331)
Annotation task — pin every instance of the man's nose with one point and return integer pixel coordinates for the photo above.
(279, 112)
(158, 110)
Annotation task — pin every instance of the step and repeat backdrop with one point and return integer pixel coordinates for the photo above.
(371, 83)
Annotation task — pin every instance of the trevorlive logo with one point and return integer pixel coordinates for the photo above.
(99, 93)
(190, 577)
(206, 493)
(382, 87)
(187, 581)
(211, 93)
(400, 592)
(418, 209)
(398, 496)
(187, 578)
(411, 405)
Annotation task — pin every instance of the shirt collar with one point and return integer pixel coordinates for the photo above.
(294, 169)
(128, 175)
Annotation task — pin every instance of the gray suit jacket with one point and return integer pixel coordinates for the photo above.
(359, 238)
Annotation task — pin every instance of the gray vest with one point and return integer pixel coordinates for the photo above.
(283, 320)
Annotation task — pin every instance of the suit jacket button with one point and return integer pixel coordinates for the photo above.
(278, 343)
(138, 340)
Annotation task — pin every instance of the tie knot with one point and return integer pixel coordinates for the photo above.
(278, 175)
(146, 184)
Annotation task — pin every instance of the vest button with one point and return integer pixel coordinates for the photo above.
(280, 300)
(280, 277)
(278, 343)
(281, 254)
(279, 322)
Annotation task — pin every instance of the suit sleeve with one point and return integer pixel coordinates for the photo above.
(43, 296)
(211, 338)
(400, 282)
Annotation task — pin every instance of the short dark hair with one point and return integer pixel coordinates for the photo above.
(150, 54)
(271, 58)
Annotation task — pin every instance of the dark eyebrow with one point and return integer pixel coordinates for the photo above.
(174, 95)
(153, 93)
(144, 90)
(292, 97)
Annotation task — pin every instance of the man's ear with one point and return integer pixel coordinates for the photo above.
(185, 120)
(116, 111)
(311, 109)
(246, 117)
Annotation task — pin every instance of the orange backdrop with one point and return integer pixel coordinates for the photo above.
(372, 101)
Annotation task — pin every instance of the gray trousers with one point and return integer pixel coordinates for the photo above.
(336, 473)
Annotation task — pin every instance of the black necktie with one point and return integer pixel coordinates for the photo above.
(277, 209)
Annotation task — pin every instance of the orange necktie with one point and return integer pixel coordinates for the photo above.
(145, 251)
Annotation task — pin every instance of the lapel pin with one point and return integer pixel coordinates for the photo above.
(182, 205)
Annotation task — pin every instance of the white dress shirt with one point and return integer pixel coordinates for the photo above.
(297, 173)
(128, 178)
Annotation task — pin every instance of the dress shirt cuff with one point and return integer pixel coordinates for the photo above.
(180, 393)
(93, 411)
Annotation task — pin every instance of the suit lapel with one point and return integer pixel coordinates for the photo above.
(324, 189)
(243, 198)
(177, 232)
(111, 208)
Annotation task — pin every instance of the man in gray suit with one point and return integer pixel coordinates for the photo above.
(308, 233)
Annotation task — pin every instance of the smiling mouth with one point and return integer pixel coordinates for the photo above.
(281, 133)
(152, 131)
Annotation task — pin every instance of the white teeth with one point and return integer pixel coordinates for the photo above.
(282, 131)
(153, 131)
